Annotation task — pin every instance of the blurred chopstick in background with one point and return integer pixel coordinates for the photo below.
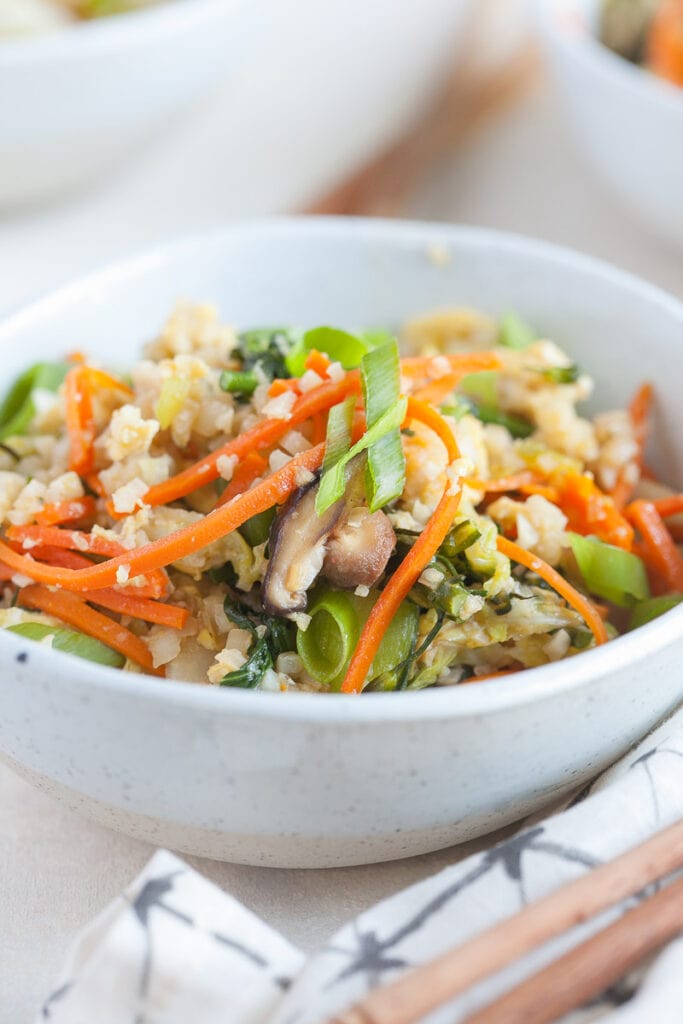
(476, 92)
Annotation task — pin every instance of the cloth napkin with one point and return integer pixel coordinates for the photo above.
(174, 948)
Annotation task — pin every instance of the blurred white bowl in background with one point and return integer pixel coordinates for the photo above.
(74, 101)
(629, 122)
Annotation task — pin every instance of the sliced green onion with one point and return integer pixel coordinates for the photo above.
(652, 608)
(450, 597)
(339, 426)
(71, 642)
(561, 374)
(386, 469)
(333, 482)
(239, 382)
(459, 539)
(616, 575)
(337, 619)
(481, 389)
(515, 333)
(18, 409)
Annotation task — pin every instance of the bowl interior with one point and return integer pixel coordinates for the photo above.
(373, 273)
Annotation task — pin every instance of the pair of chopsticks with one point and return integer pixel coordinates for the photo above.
(568, 982)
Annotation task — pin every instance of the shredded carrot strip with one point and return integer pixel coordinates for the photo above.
(72, 560)
(142, 561)
(95, 484)
(578, 602)
(498, 485)
(669, 506)
(80, 420)
(319, 432)
(249, 469)
(639, 413)
(127, 602)
(66, 511)
(462, 363)
(140, 608)
(408, 572)
(660, 551)
(318, 362)
(85, 543)
(591, 511)
(72, 540)
(74, 611)
(6, 573)
(263, 435)
(100, 379)
(546, 491)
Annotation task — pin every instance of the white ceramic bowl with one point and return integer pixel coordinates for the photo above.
(313, 780)
(629, 122)
(75, 100)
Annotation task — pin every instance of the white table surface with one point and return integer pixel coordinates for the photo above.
(522, 173)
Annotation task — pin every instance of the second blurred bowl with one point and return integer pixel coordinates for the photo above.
(629, 122)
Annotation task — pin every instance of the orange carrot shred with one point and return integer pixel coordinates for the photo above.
(248, 470)
(408, 572)
(150, 557)
(639, 413)
(669, 506)
(74, 611)
(67, 511)
(591, 511)
(659, 549)
(577, 601)
(462, 363)
(281, 385)
(80, 421)
(263, 435)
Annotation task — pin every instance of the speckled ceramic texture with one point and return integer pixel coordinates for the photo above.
(312, 780)
(628, 122)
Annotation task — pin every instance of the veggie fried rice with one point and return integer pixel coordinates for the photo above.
(310, 510)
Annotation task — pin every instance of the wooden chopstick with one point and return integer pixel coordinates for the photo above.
(421, 990)
(469, 99)
(592, 967)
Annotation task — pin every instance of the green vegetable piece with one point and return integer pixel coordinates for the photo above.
(610, 572)
(70, 642)
(515, 333)
(252, 672)
(481, 386)
(459, 539)
(652, 607)
(257, 529)
(337, 619)
(18, 409)
(561, 374)
(339, 426)
(269, 349)
(239, 382)
(340, 346)
(386, 468)
(461, 406)
(516, 425)
(333, 482)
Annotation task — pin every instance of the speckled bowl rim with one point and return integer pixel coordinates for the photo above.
(523, 688)
(585, 48)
